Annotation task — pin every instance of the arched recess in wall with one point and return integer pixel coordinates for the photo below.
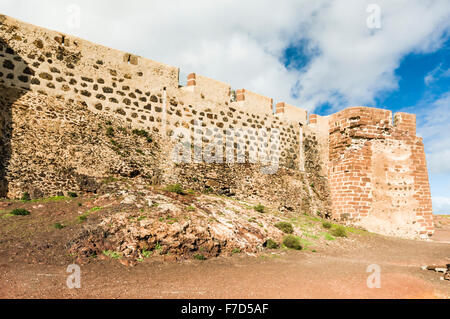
(15, 78)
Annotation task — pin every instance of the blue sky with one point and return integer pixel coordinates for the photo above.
(320, 55)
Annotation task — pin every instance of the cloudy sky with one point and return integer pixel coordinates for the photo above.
(322, 55)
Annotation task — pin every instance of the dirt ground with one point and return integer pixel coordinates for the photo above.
(34, 260)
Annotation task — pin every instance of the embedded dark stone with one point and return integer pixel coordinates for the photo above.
(46, 76)
(87, 79)
(85, 93)
(7, 64)
(29, 71)
(121, 112)
(39, 44)
(23, 78)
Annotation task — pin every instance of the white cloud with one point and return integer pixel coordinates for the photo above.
(242, 42)
(434, 128)
(441, 205)
(436, 74)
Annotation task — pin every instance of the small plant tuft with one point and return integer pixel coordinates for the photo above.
(339, 232)
(58, 226)
(146, 253)
(285, 227)
(199, 257)
(26, 197)
(20, 212)
(110, 132)
(292, 242)
(72, 194)
(271, 244)
(260, 208)
(111, 254)
(326, 225)
(176, 188)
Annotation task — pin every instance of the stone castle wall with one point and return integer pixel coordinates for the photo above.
(347, 151)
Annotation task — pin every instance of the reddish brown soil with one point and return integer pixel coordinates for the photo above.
(33, 262)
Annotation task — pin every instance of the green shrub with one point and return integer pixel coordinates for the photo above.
(26, 197)
(199, 257)
(83, 217)
(272, 244)
(72, 194)
(141, 133)
(20, 212)
(259, 208)
(111, 254)
(177, 188)
(58, 226)
(339, 232)
(285, 227)
(236, 251)
(146, 253)
(326, 225)
(110, 132)
(292, 242)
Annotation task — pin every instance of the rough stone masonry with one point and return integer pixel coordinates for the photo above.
(366, 166)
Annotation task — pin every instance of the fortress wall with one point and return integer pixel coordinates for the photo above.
(144, 93)
(210, 89)
(377, 172)
(291, 113)
(374, 170)
(253, 102)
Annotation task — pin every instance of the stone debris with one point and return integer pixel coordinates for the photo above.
(445, 269)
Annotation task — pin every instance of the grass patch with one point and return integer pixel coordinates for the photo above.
(49, 199)
(26, 197)
(190, 208)
(236, 251)
(199, 257)
(292, 242)
(171, 220)
(143, 133)
(83, 217)
(328, 236)
(20, 212)
(271, 244)
(146, 253)
(285, 227)
(158, 246)
(339, 231)
(327, 225)
(110, 132)
(111, 254)
(260, 208)
(58, 226)
(176, 188)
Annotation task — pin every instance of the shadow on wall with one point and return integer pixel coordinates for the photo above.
(15, 77)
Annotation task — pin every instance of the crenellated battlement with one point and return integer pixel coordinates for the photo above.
(373, 162)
